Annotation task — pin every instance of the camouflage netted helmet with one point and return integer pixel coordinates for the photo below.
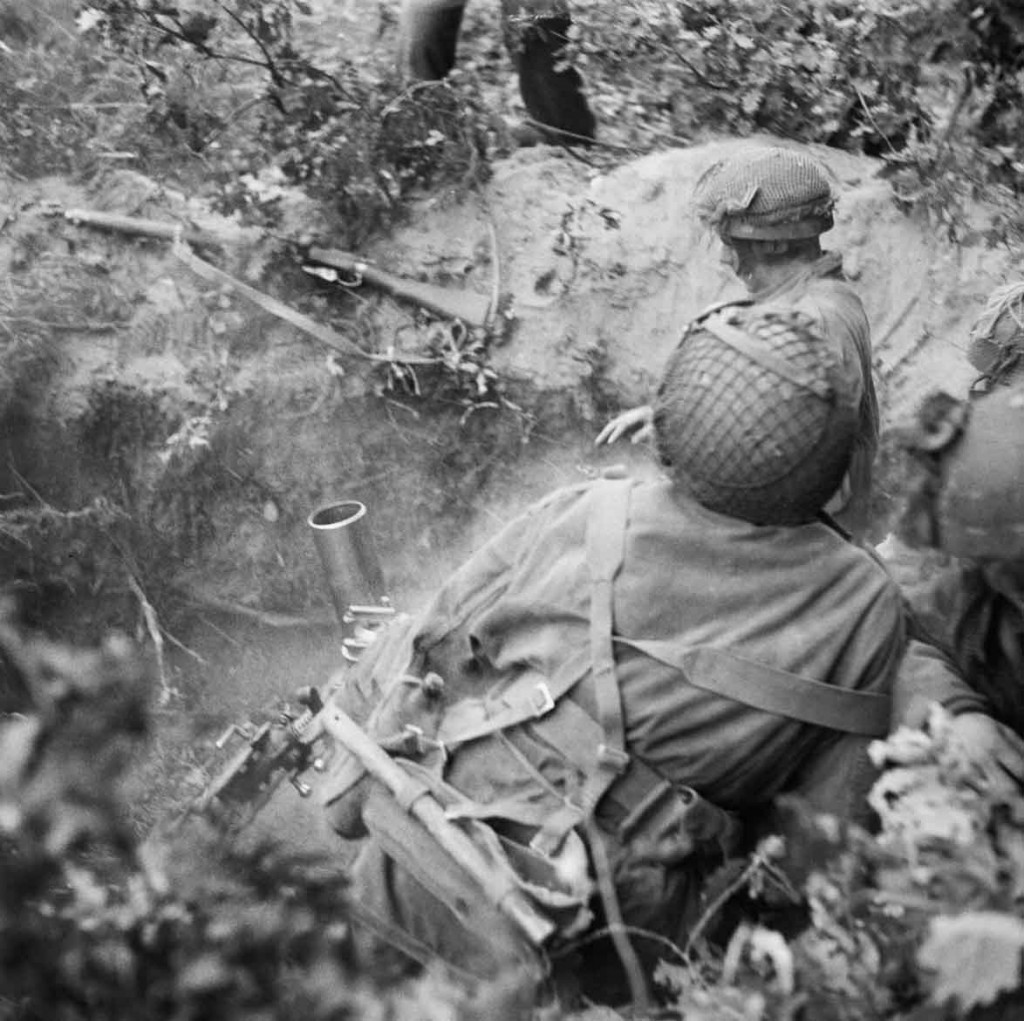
(996, 347)
(766, 194)
(972, 503)
(753, 418)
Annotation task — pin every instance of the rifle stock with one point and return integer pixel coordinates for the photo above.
(472, 308)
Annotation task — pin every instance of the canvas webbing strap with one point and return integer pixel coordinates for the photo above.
(761, 354)
(579, 737)
(775, 691)
(532, 694)
(606, 547)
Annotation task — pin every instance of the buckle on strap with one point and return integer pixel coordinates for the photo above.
(613, 759)
(421, 744)
(541, 700)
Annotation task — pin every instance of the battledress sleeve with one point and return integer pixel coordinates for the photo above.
(929, 672)
(837, 776)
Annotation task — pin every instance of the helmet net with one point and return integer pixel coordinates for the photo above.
(766, 193)
(752, 418)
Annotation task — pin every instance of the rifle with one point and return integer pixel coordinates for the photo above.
(326, 263)
(472, 308)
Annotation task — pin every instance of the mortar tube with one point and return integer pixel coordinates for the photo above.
(342, 536)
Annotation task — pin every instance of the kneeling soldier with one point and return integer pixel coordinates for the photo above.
(968, 501)
(608, 689)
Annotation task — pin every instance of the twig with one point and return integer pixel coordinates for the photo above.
(231, 117)
(184, 648)
(631, 930)
(492, 309)
(71, 327)
(874, 123)
(267, 617)
(269, 64)
(638, 990)
(153, 627)
(213, 627)
(546, 129)
(720, 901)
(408, 92)
(966, 87)
(21, 478)
(897, 322)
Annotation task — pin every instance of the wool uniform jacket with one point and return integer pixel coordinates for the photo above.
(749, 660)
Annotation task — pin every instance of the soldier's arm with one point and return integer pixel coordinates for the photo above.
(929, 672)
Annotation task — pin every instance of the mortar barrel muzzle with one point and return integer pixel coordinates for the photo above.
(341, 533)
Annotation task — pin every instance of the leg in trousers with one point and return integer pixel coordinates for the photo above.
(428, 34)
(535, 33)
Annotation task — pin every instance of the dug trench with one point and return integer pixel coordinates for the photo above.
(166, 439)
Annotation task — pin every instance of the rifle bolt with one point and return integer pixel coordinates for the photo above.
(303, 788)
(319, 765)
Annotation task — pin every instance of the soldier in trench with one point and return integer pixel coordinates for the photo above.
(535, 32)
(624, 679)
(966, 498)
(770, 206)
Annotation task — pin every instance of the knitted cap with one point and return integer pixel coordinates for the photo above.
(766, 194)
(752, 417)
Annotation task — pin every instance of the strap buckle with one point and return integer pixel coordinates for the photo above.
(541, 700)
(421, 743)
(612, 758)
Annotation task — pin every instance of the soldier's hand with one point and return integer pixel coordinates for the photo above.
(637, 424)
(994, 747)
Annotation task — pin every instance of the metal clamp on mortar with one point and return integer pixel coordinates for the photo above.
(342, 536)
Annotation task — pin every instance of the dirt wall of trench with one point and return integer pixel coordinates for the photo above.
(208, 429)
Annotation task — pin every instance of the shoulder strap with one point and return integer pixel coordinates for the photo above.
(776, 691)
(606, 547)
(763, 355)
(531, 694)
(719, 306)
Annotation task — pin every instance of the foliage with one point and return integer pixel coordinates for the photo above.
(94, 925)
(933, 88)
(922, 920)
(351, 136)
